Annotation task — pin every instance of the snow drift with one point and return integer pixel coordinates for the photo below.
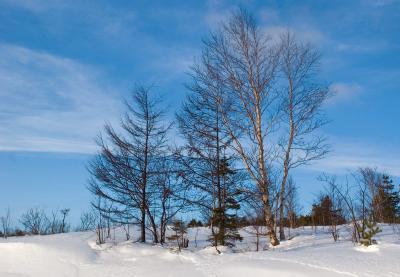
(308, 253)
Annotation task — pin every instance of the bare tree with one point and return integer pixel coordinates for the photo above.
(127, 231)
(301, 102)
(87, 221)
(101, 232)
(365, 179)
(244, 62)
(6, 223)
(291, 204)
(64, 226)
(271, 100)
(54, 222)
(355, 200)
(369, 180)
(167, 194)
(256, 228)
(125, 171)
(179, 234)
(336, 214)
(35, 221)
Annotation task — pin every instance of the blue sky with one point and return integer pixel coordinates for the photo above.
(65, 65)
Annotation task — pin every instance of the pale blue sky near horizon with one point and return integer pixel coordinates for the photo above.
(66, 65)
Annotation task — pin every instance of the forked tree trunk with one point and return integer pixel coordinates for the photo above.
(269, 221)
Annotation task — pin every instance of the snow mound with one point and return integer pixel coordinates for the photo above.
(366, 249)
(309, 253)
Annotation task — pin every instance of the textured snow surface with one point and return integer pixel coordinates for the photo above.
(308, 253)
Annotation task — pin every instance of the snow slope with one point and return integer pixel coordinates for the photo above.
(309, 253)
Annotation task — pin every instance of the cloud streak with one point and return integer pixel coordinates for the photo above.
(51, 103)
(345, 92)
(353, 155)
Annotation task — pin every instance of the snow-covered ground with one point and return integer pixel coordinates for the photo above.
(309, 253)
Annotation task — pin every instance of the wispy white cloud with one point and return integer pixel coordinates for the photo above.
(98, 19)
(269, 16)
(362, 47)
(217, 11)
(274, 23)
(306, 34)
(36, 6)
(51, 103)
(351, 155)
(345, 92)
(382, 3)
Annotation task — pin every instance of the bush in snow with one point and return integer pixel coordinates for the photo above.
(368, 230)
(179, 235)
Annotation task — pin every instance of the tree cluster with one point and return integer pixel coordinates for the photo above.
(37, 222)
(251, 115)
(370, 199)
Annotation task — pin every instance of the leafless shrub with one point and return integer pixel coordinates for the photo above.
(6, 223)
(35, 221)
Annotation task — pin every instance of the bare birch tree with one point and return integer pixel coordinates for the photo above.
(244, 61)
(302, 99)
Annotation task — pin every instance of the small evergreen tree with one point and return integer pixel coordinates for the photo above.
(179, 236)
(325, 214)
(304, 220)
(224, 217)
(194, 223)
(368, 230)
